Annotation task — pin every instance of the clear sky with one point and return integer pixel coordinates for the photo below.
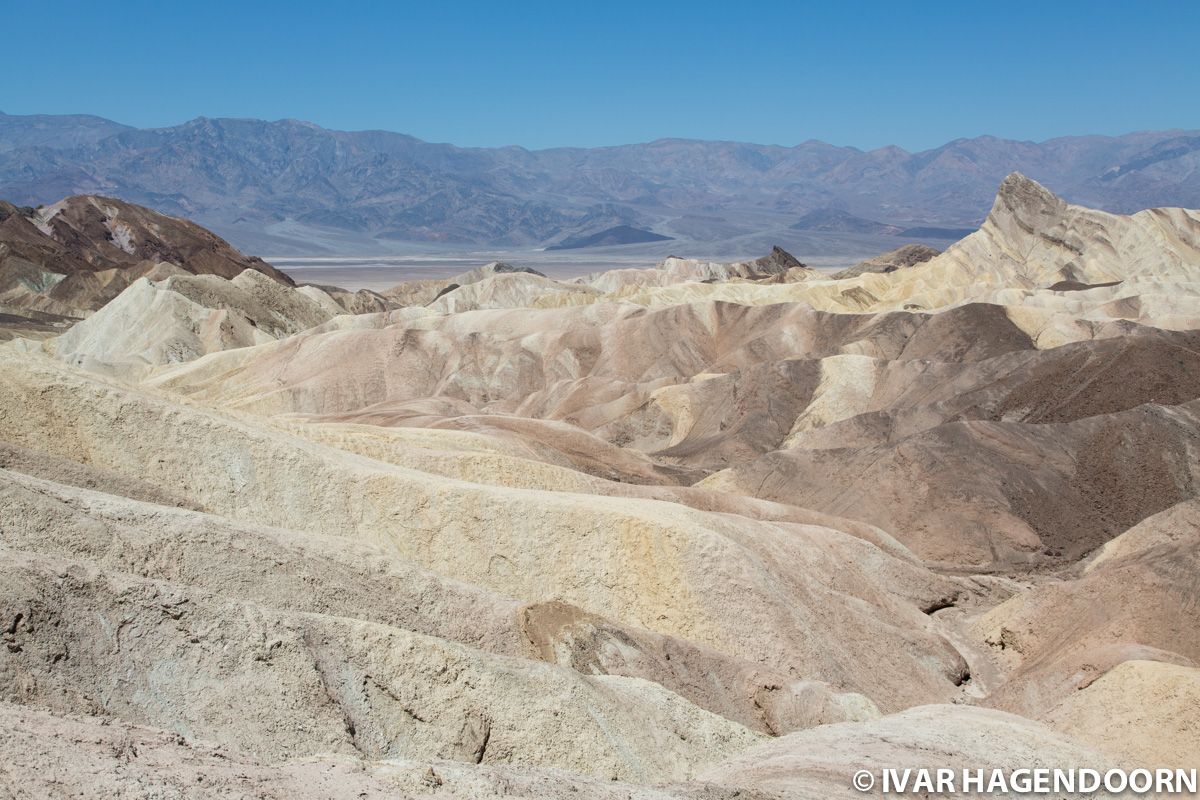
(584, 73)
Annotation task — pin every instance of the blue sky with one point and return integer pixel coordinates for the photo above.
(595, 73)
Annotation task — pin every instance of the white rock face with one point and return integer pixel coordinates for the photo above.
(186, 316)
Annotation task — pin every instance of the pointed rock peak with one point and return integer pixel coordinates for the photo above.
(1026, 202)
(1019, 192)
(779, 260)
(782, 255)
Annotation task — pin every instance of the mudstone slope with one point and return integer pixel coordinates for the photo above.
(699, 530)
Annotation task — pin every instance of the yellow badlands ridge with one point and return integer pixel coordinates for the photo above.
(695, 531)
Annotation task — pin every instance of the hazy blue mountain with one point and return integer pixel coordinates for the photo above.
(54, 131)
(290, 181)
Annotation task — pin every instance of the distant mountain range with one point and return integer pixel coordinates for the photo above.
(291, 185)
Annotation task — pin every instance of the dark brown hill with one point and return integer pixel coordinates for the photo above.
(71, 257)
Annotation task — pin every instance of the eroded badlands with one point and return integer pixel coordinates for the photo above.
(695, 531)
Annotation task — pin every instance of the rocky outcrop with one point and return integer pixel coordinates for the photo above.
(73, 256)
(901, 257)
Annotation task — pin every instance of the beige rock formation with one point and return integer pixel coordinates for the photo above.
(818, 764)
(904, 256)
(1139, 713)
(696, 531)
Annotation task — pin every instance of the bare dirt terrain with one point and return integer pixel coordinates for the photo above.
(695, 530)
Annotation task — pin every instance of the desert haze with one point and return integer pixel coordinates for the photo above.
(700, 529)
